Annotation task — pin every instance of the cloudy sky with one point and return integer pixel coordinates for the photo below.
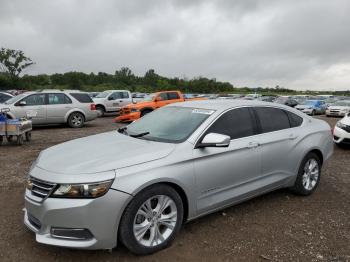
(299, 44)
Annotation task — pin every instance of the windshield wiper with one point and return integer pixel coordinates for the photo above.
(140, 134)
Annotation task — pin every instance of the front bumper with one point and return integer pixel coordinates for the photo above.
(335, 113)
(100, 216)
(128, 117)
(341, 136)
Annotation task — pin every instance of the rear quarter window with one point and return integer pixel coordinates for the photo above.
(294, 119)
(82, 97)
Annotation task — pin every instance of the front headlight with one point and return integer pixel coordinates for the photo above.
(92, 190)
(341, 125)
(133, 110)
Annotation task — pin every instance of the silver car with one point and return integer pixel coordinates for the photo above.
(180, 162)
(52, 107)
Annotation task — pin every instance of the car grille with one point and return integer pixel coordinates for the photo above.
(334, 111)
(346, 128)
(41, 189)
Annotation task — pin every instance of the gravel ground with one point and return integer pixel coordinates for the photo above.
(275, 227)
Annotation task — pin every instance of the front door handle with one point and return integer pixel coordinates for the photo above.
(292, 136)
(253, 144)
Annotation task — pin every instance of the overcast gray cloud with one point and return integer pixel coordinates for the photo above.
(300, 44)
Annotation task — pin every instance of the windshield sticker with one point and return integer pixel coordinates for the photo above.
(202, 111)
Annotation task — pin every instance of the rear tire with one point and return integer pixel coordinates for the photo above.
(100, 111)
(151, 220)
(76, 120)
(309, 175)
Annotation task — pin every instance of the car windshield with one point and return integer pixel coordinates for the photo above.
(342, 103)
(102, 95)
(310, 102)
(14, 99)
(149, 97)
(169, 124)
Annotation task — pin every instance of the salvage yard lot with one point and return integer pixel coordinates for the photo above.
(277, 226)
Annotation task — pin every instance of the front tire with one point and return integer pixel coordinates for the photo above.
(76, 120)
(309, 175)
(152, 220)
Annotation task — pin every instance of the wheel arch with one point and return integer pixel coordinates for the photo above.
(74, 111)
(177, 187)
(101, 105)
(318, 152)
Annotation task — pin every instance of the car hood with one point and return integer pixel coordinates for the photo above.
(304, 106)
(100, 153)
(338, 107)
(345, 120)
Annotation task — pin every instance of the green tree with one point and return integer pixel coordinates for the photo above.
(13, 62)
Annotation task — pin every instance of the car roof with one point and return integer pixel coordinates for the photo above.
(226, 104)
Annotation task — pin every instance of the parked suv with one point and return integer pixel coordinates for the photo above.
(112, 101)
(53, 107)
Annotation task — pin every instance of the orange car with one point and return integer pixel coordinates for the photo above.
(133, 112)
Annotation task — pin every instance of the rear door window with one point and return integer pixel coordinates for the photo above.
(173, 95)
(125, 95)
(82, 97)
(272, 119)
(58, 99)
(236, 123)
(163, 96)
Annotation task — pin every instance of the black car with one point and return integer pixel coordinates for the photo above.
(288, 101)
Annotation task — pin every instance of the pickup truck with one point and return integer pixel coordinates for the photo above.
(134, 111)
(112, 101)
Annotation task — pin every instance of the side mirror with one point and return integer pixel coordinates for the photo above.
(110, 98)
(214, 140)
(23, 103)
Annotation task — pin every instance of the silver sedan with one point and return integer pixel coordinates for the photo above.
(178, 163)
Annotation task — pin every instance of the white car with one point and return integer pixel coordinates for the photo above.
(341, 132)
(112, 101)
(339, 108)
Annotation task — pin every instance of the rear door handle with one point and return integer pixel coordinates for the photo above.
(292, 136)
(253, 144)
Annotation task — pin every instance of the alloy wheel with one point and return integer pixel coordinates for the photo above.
(155, 221)
(311, 174)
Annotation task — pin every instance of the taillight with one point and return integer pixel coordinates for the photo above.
(92, 107)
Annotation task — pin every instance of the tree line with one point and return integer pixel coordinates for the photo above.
(14, 62)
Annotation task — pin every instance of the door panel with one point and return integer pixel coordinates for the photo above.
(57, 108)
(35, 108)
(277, 144)
(223, 175)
